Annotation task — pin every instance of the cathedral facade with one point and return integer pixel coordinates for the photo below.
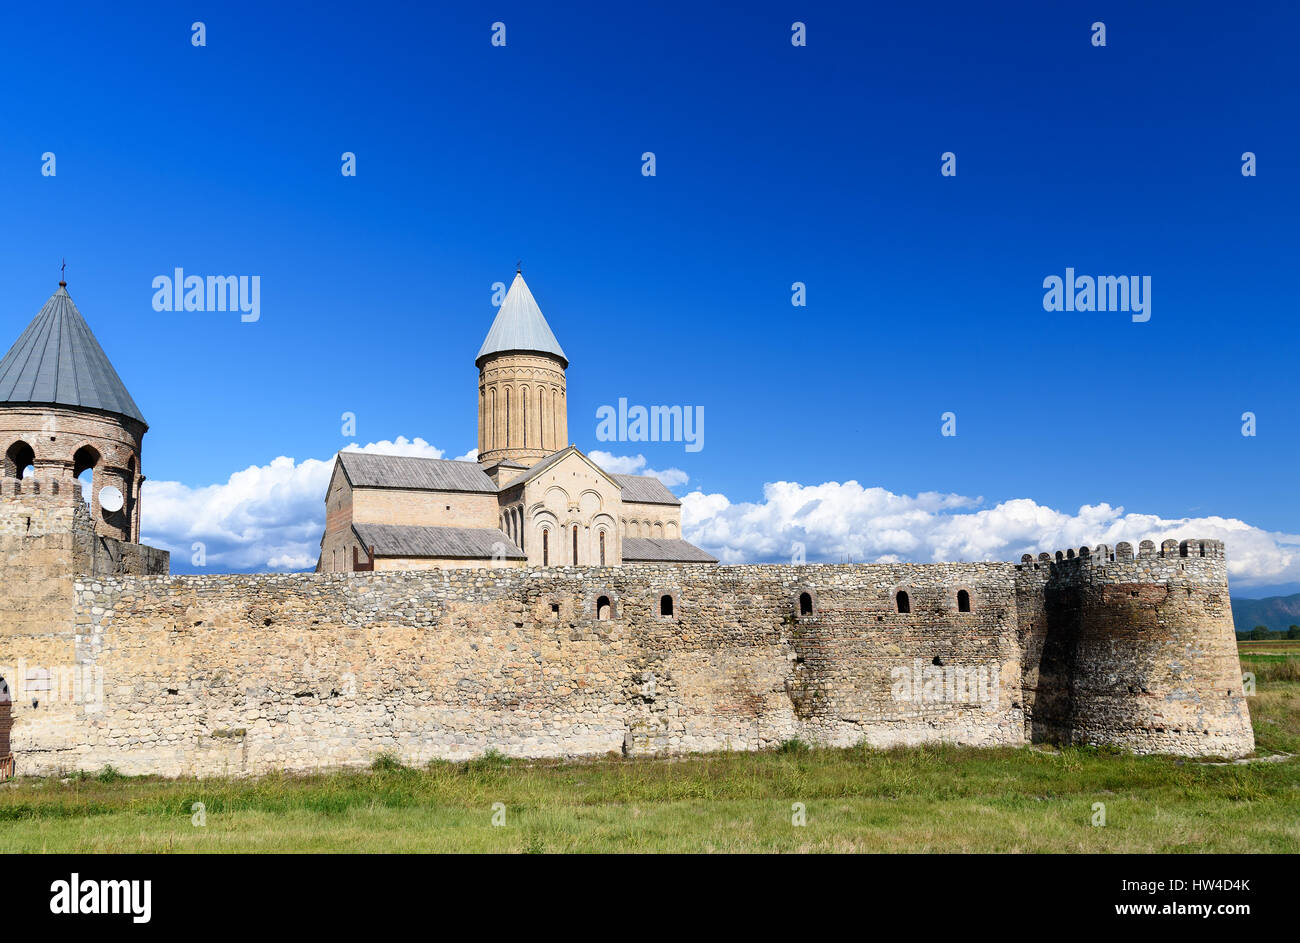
(529, 500)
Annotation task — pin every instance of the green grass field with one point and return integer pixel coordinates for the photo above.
(940, 799)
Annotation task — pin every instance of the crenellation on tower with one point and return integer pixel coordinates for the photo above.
(1136, 649)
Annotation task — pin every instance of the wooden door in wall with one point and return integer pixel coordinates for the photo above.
(6, 724)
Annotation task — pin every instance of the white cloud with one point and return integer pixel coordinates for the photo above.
(838, 521)
(270, 517)
(266, 517)
(635, 465)
(403, 446)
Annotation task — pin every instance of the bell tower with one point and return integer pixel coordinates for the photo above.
(522, 406)
(65, 411)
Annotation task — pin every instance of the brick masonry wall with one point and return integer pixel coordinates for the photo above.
(65, 430)
(650, 520)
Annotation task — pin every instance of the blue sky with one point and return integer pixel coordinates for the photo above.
(774, 164)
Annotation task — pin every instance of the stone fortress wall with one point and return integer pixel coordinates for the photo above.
(215, 675)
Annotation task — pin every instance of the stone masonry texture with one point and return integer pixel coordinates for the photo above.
(244, 674)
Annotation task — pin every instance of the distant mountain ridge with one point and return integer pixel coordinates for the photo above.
(1274, 612)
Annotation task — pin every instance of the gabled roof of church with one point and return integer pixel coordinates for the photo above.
(57, 360)
(659, 550)
(519, 325)
(551, 460)
(645, 489)
(414, 540)
(413, 473)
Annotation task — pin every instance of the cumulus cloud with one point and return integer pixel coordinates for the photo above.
(265, 517)
(635, 465)
(838, 521)
(271, 517)
(402, 446)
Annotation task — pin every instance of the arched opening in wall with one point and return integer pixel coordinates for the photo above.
(805, 604)
(131, 497)
(904, 604)
(666, 605)
(19, 460)
(84, 461)
(575, 544)
(602, 548)
(523, 405)
(603, 609)
(963, 601)
(546, 547)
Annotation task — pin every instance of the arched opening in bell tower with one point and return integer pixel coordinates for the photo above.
(19, 460)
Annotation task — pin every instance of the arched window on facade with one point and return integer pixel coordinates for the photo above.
(904, 604)
(546, 547)
(18, 459)
(84, 461)
(805, 604)
(131, 497)
(963, 601)
(602, 548)
(603, 609)
(666, 605)
(575, 544)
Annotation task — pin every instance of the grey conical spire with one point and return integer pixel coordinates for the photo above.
(57, 360)
(519, 325)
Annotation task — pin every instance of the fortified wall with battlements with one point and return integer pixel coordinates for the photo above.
(229, 675)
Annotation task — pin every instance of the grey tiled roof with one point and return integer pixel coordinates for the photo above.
(367, 470)
(409, 540)
(646, 489)
(519, 325)
(546, 463)
(57, 360)
(653, 550)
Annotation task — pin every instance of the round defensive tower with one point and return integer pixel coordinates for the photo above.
(522, 406)
(63, 411)
(1141, 651)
